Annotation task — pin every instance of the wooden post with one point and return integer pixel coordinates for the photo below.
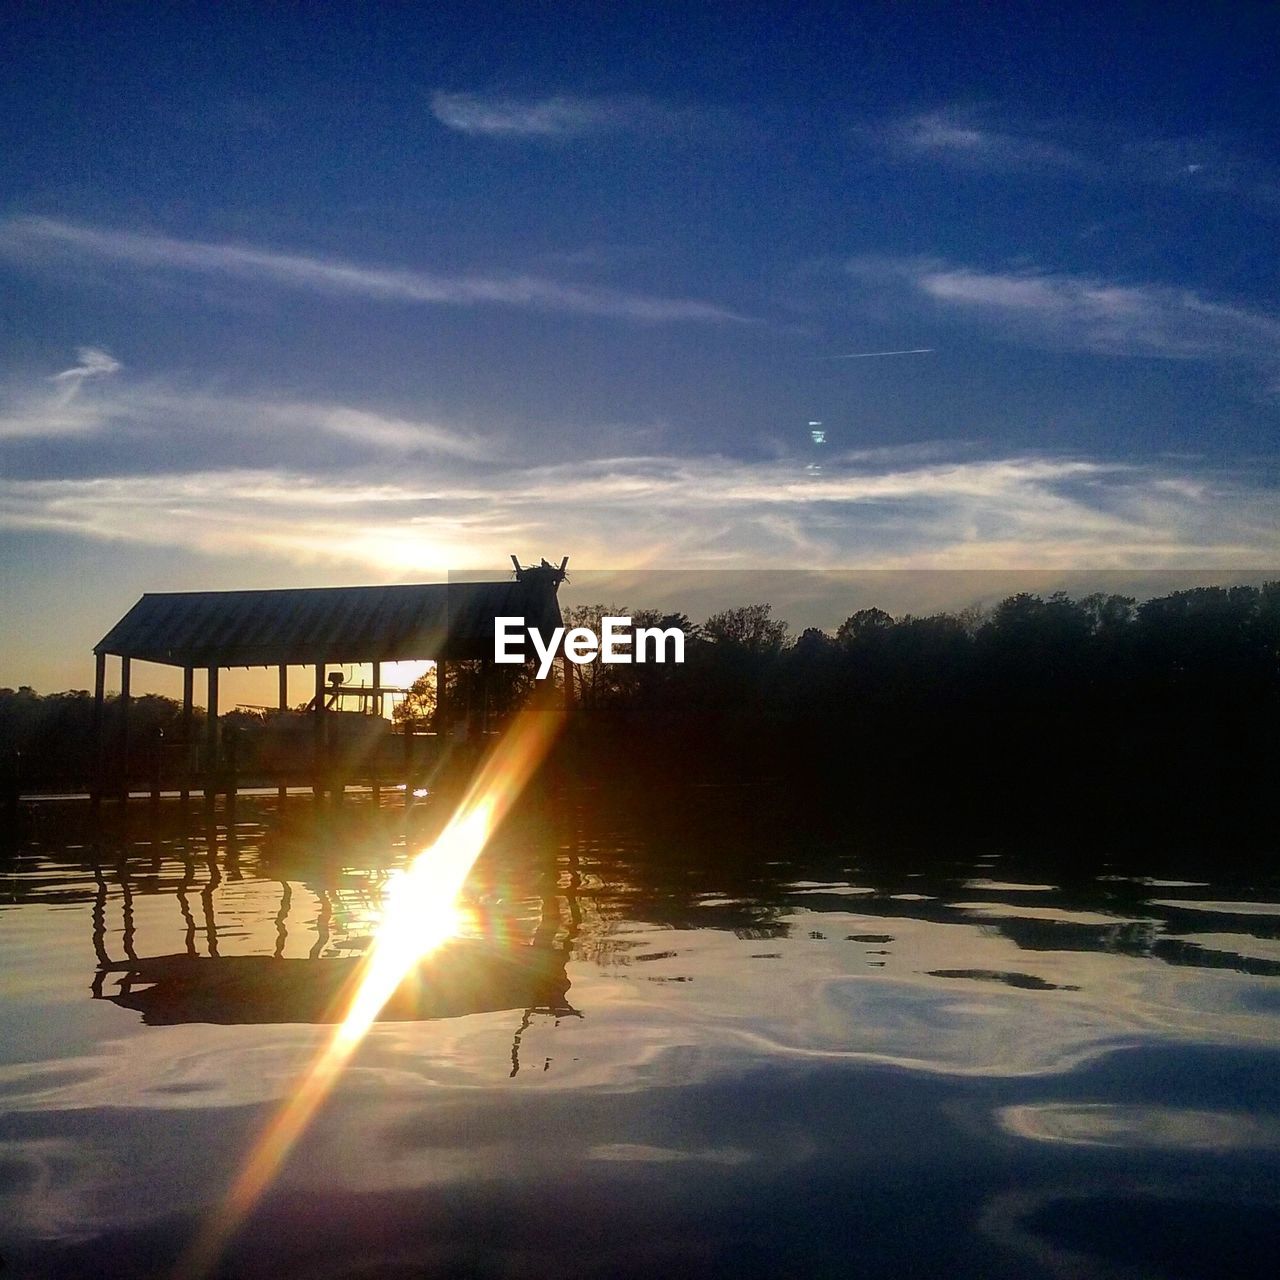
(317, 734)
(99, 699)
(408, 763)
(188, 707)
(157, 768)
(486, 693)
(283, 673)
(375, 777)
(442, 700)
(11, 784)
(211, 739)
(231, 758)
(125, 701)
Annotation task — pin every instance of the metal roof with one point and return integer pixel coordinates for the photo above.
(327, 624)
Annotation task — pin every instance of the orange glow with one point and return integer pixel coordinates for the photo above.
(420, 912)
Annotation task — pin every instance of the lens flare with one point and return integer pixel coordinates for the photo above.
(420, 913)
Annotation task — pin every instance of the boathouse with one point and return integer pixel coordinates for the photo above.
(316, 627)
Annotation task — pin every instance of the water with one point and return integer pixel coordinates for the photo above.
(681, 1038)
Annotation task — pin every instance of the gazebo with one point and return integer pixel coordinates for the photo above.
(317, 626)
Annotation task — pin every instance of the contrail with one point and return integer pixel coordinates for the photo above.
(867, 355)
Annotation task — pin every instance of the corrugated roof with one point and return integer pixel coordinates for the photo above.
(327, 624)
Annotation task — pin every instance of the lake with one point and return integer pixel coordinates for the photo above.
(695, 1035)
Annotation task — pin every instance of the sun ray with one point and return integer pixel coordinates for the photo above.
(420, 913)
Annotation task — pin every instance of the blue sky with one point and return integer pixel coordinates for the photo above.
(370, 293)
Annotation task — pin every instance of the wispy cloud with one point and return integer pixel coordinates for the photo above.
(1026, 511)
(984, 139)
(1199, 164)
(60, 409)
(94, 362)
(964, 137)
(25, 239)
(459, 496)
(1086, 313)
(556, 117)
(84, 401)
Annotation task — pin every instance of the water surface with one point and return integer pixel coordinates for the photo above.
(669, 1037)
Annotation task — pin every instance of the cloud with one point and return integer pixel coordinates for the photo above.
(556, 117)
(1010, 512)
(977, 138)
(84, 401)
(24, 239)
(961, 137)
(1084, 313)
(60, 410)
(94, 362)
(1203, 164)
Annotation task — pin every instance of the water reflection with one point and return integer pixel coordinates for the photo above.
(708, 1021)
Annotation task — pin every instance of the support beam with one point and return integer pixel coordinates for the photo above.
(212, 761)
(375, 761)
(283, 674)
(99, 754)
(408, 763)
(126, 702)
(188, 712)
(441, 720)
(157, 767)
(317, 734)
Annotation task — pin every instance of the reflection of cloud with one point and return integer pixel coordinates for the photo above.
(1140, 1127)
(54, 1187)
(624, 512)
(26, 239)
(643, 1153)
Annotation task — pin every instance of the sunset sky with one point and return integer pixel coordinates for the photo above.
(296, 299)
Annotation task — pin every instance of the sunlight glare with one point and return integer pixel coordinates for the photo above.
(421, 911)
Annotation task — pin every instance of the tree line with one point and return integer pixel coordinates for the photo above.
(1037, 699)
(1101, 700)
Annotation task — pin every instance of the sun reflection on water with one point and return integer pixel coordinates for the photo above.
(421, 911)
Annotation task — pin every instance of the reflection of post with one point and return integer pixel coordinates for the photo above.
(126, 700)
(100, 913)
(206, 894)
(126, 909)
(284, 706)
(552, 936)
(99, 927)
(282, 916)
(211, 739)
(184, 906)
(99, 696)
(322, 924)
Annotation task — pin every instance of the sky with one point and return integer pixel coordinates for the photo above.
(375, 293)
